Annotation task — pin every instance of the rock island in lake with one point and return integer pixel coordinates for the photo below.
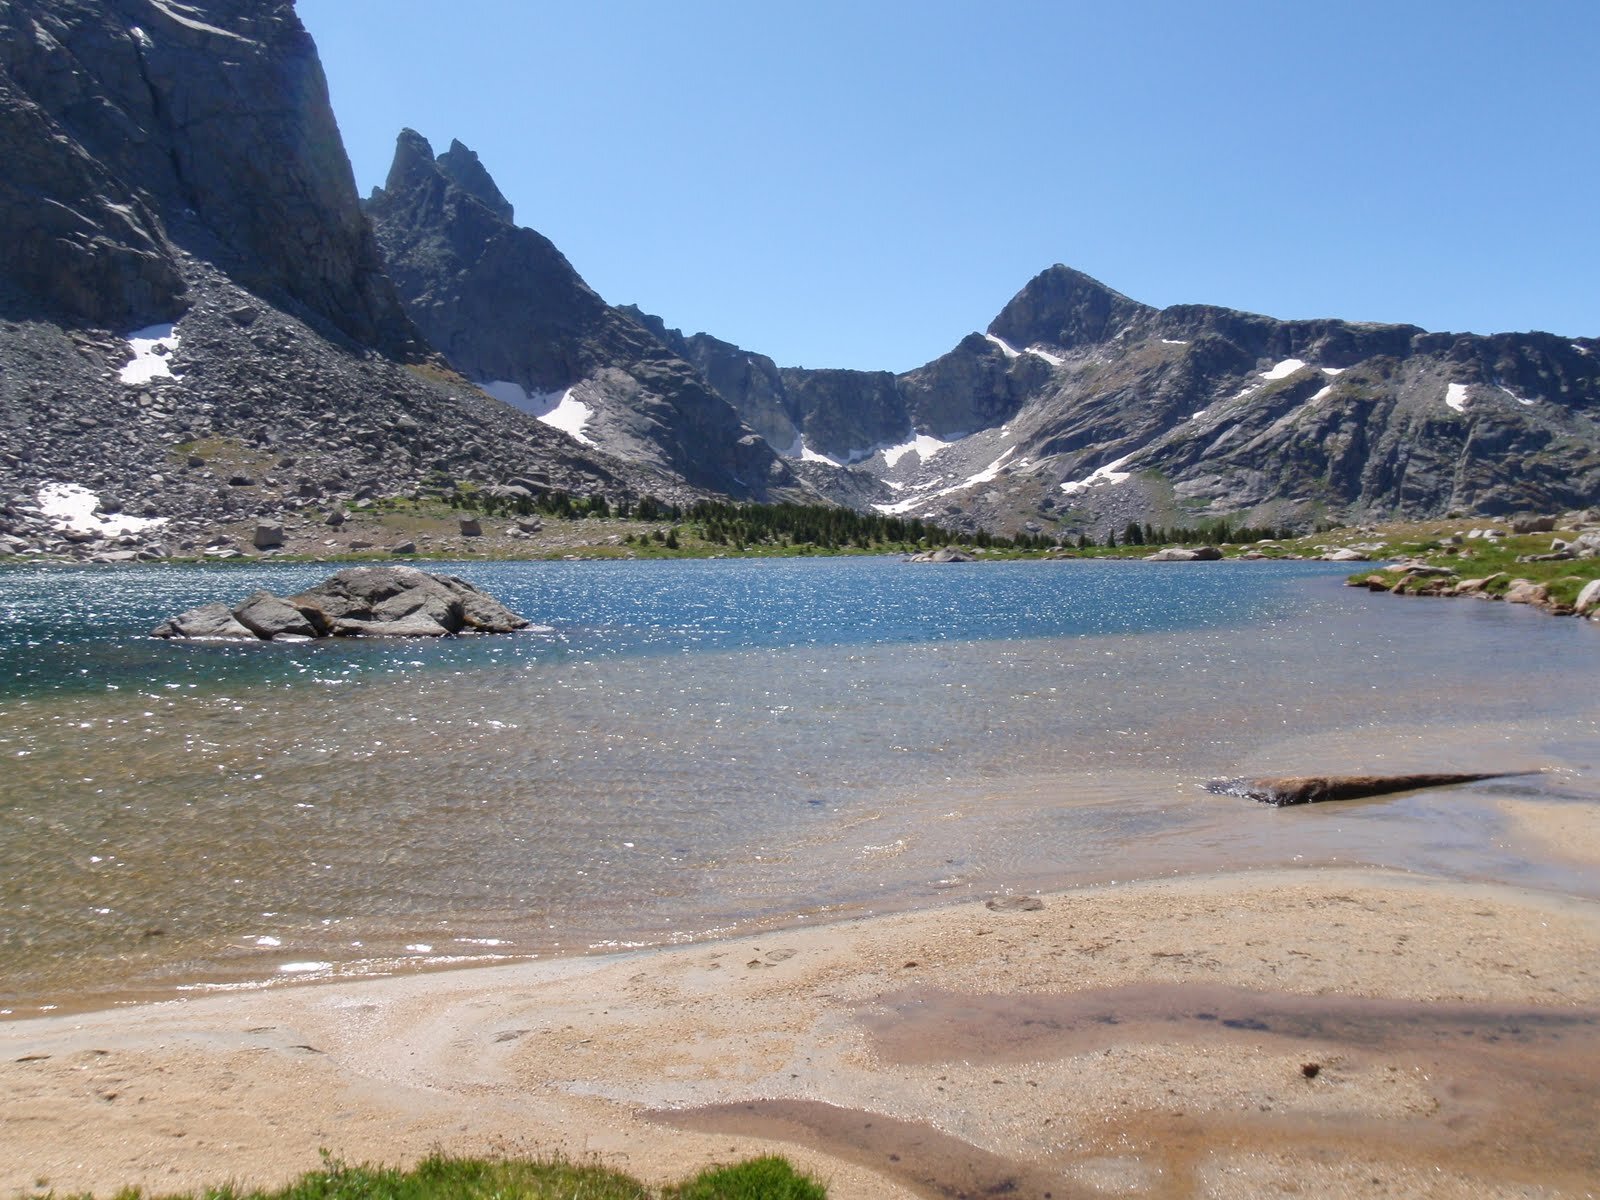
(357, 602)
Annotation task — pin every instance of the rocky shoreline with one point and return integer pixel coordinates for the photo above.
(1561, 577)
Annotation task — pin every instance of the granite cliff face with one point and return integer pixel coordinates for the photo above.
(195, 321)
(148, 129)
(1080, 409)
(510, 312)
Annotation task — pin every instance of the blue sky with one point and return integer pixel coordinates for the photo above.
(861, 184)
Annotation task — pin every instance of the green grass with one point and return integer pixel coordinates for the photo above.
(1486, 558)
(767, 1178)
(443, 1177)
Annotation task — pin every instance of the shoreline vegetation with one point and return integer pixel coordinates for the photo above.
(1545, 562)
(449, 1177)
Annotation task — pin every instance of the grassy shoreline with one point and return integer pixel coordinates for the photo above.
(447, 1177)
(1440, 554)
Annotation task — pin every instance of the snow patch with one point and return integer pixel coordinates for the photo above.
(571, 416)
(1053, 359)
(1198, 415)
(1284, 369)
(1517, 398)
(1322, 395)
(1006, 348)
(1173, 342)
(923, 445)
(807, 454)
(560, 410)
(1583, 350)
(900, 507)
(188, 16)
(151, 346)
(1330, 372)
(70, 507)
(304, 968)
(1112, 472)
(1456, 396)
(987, 475)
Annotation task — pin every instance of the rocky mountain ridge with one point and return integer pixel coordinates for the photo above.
(510, 312)
(196, 324)
(1080, 409)
(199, 323)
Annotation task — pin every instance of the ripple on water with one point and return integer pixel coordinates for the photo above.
(695, 745)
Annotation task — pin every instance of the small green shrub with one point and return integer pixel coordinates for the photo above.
(767, 1178)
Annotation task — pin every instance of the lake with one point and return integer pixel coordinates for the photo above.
(686, 748)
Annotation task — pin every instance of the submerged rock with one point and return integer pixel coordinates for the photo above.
(1283, 790)
(357, 602)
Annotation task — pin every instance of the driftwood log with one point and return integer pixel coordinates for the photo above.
(1283, 790)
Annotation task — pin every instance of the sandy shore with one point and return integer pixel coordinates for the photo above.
(1314, 1032)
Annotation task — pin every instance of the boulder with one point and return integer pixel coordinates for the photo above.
(207, 621)
(1420, 568)
(945, 554)
(1345, 555)
(1475, 587)
(392, 595)
(268, 536)
(1588, 597)
(410, 625)
(471, 527)
(1525, 591)
(1185, 554)
(1533, 525)
(268, 616)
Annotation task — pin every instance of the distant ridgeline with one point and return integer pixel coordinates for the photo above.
(190, 337)
(1079, 413)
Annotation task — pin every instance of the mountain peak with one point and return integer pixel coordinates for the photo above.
(461, 166)
(1066, 308)
(414, 166)
(413, 160)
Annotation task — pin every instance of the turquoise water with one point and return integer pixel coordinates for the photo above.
(82, 629)
(683, 748)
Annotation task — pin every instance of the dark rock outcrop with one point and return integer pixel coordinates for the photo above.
(510, 312)
(358, 602)
(176, 166)
(139, 110)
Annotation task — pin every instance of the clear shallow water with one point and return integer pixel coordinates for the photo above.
(689, 746)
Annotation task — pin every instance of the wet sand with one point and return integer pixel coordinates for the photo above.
(1321, 1031)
